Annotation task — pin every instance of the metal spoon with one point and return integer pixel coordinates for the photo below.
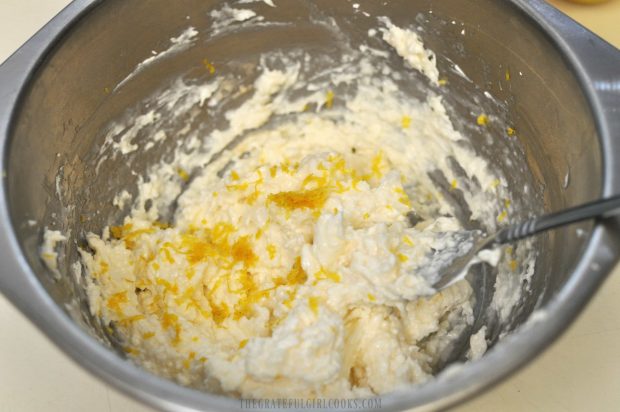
(457, 269)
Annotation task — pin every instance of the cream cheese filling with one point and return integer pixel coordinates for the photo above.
(291, 268)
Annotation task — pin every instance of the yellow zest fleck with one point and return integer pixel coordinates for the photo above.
(240, 187)
(234, 175)
(511, 131)
(284, 166)
(273, 322)
(495, 183)
(104, 267)
(155, 265)
(183, 174)
(443, 82)
(148, 335)
(209, 66)
(131, 351)
(507, 203)
(219, 312)
(278, 281)
(303, 199)
(271, 249)
(126, 322)
(130, 238)
(186, 296)
(273, 171)
(306, 107)
(202, 359)
(406, 122)
(197, 249)
(454, 184)
(403, 258)
(313, 303)
(502, 216)
(407, 240)
(170, 245)
(325, 274)
(171, 321)
(338, 164)
(320, 181)
(259, 179)
(161, 225)
(187, 362)
(297, 275)
(259, 233)
(212, 244)
(250, 294)
(215, 194)
(117, 231)
(291, 298)
(242, 252)
(116, 300)
(507, 75)
(371, 297)
(168, 255)
(201, 310)
(146, 259)
(169, 287)
(482, 120)
(404, 198)
(329, 99)
(376, 164)
(107, 90)
(366, 216)
(513, 265)
(340, 187)
(243, 343)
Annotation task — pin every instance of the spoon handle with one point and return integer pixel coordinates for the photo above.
(600, 208)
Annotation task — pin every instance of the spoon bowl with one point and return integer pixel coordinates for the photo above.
(474, 247)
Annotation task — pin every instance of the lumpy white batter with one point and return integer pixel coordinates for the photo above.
(48, 252)
(294, 271)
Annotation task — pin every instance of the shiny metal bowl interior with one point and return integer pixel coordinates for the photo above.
(58, 126)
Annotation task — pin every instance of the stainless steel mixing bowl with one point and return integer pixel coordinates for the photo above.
(556, 83)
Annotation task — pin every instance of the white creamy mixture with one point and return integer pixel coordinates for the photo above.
(296, 272)
(48, 252)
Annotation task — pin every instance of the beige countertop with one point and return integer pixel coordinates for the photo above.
(580, 372)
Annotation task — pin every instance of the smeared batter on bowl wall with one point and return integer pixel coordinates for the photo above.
(291, 265)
